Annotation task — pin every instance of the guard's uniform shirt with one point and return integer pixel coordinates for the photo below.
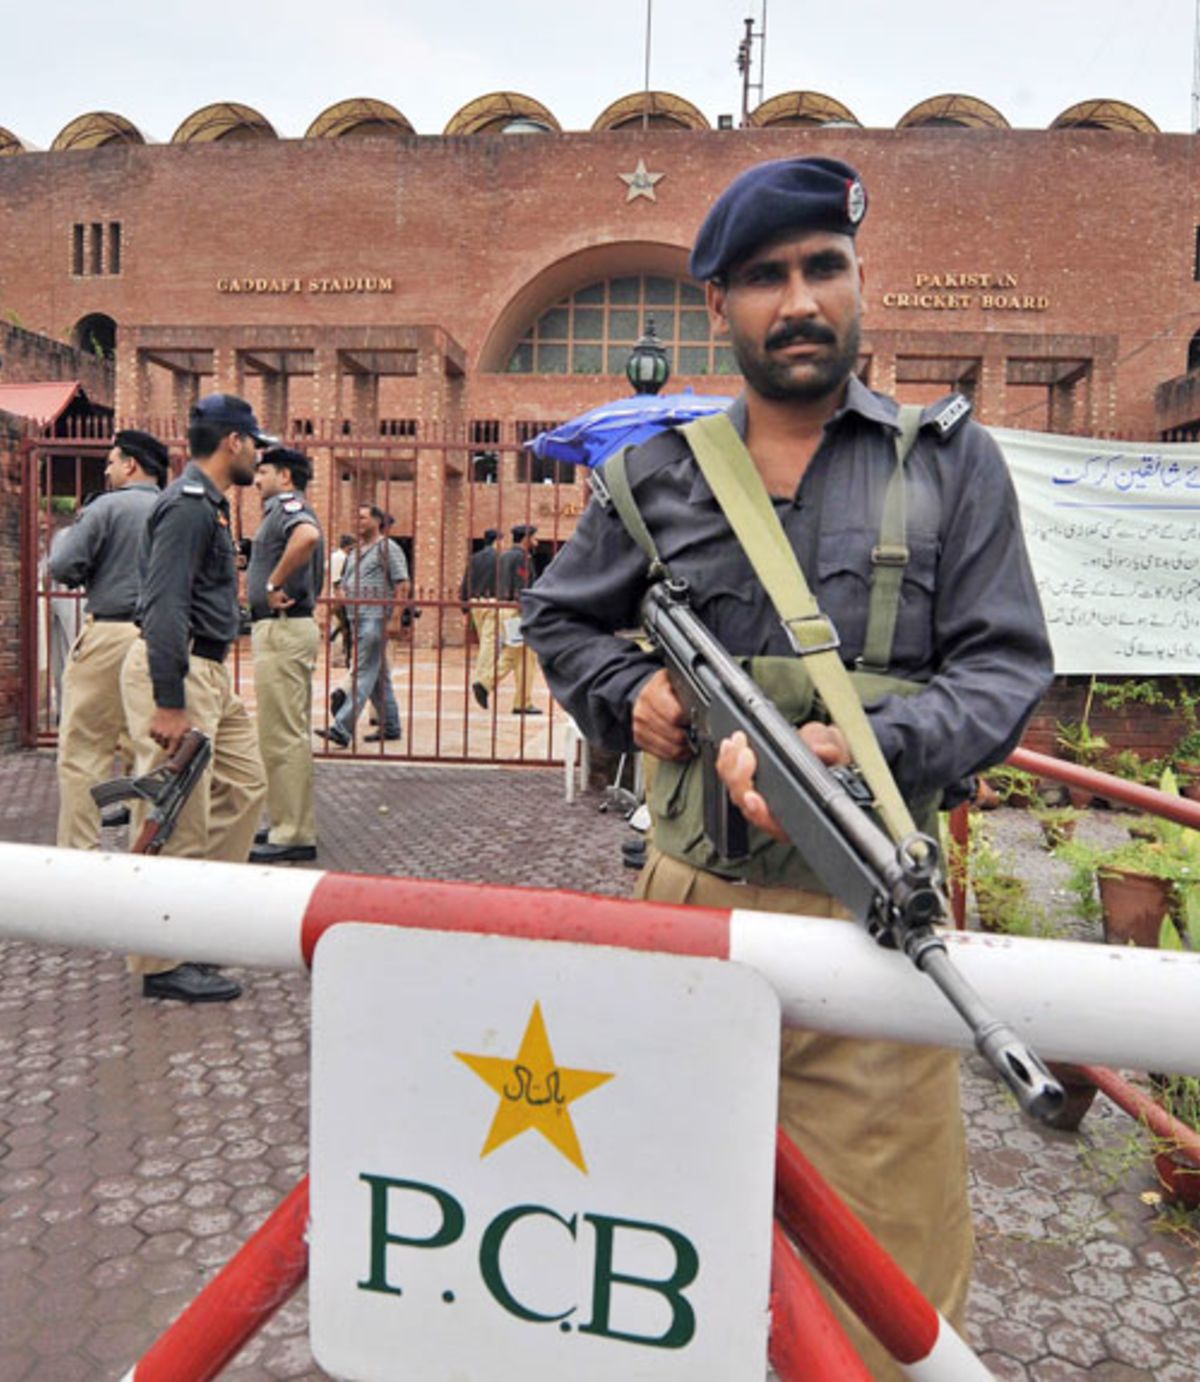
(283, 513)
(970, 622)
(479, 580)
(516, 572)
(189, 582)
(100, 550)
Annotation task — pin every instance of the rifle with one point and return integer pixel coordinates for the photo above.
(167, 788)
(894, 889)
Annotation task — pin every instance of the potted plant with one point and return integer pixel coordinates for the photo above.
(1180, 1094)
(1014, 786)
(1057, 824)
(1185, 758)
(1001, 895)
(1140, 882)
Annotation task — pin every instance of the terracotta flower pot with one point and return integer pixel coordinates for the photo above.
(1134, 905)
(1179, 1177)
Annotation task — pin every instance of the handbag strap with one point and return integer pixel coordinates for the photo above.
(737, 486)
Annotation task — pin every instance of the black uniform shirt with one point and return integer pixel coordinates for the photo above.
(479, 579)
(100, 549)
(516, 572)
(189, 582)
(283, 513)
(970, 623)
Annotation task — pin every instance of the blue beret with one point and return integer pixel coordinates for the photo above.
(774, 199)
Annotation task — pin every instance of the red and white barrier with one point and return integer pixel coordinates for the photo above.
(1104, 1005)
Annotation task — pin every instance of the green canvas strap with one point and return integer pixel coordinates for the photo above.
(889, 556)
(737, 486)
(616, 482)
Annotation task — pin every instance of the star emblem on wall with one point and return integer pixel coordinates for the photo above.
(640, 182)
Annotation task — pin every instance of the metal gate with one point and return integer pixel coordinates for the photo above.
(443, 489)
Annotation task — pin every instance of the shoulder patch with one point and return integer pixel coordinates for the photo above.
(292, 506)
(198, 491)
(947, 416)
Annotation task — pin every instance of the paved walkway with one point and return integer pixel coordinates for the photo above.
(142, 1143)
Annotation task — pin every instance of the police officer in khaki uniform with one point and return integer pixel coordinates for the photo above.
(955, 679)
(175, 676)
(99, 552)
(287, 567)
(515, 575)
(477, 592)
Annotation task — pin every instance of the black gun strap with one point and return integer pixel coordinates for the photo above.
(737, 486)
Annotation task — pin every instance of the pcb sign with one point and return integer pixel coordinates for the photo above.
(536, 1161)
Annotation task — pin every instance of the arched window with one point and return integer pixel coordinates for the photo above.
(96, 334)
(1194, 353)
(593, 330)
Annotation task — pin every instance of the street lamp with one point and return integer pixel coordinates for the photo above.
(647, 369)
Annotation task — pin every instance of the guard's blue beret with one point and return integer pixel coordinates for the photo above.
(773, 199)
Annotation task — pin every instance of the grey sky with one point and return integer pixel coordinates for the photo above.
(155, 63)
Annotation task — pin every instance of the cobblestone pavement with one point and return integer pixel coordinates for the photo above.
(142, 1143)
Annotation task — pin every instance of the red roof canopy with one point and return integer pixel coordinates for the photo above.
(44, 403)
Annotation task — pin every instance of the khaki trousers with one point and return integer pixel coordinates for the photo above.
(880, 1120)
(486, 620)
(514, 657)
(92, 728)
(221, 815)
(285, 657)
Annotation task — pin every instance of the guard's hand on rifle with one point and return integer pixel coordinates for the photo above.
(167, 727)
(660, 723)
(736, 766)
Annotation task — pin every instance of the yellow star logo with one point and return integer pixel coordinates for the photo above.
(534, 1092)
(640, 182)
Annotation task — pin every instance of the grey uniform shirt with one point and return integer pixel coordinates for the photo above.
(283, 513)
(970, 623)
(479, 579)
(373, 573)
(189, 580)
(100, 550)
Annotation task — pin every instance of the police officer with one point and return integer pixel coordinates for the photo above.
(287, 568)
(515, 575)
(479, 583)
(99, 552)
(956, 666)
(175, 677)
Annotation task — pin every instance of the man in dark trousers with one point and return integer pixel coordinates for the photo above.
(175, 676)
(940, 624)
(287, 569)
(478, 585)
(99, 552)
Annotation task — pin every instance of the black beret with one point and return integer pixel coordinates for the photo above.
(773, 199)
(146, 450)
(490, 535)
(523, 530)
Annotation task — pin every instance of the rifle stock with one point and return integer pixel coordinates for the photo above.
(894, 889)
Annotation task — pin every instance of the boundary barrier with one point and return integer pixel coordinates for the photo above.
(167, 905)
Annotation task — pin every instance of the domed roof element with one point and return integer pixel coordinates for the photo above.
(501, 112)
(359, 117)
(94, 130)
(223, 120)
(802, 108)
(953, 108)
(1105, 115)
(662, 109)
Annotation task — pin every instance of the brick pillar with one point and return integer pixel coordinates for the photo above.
(1062, 406)
(326, 406)
(227, 370)
(275, 403)
(132, 399)
(883, 371)
(1103, 402)
(991, 397)
(185, 391)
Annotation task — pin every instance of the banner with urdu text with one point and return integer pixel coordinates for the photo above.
(1113, 530)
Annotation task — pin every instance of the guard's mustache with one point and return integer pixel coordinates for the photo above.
(806, 332)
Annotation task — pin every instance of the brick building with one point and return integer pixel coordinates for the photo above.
(373, 290)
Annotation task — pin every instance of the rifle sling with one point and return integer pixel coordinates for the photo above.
(737, 486)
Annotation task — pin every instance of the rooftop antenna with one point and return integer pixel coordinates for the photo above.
(1196, 74)
(745, 60)
(646, 78)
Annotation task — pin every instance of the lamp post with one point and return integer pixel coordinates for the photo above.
(647, 369)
